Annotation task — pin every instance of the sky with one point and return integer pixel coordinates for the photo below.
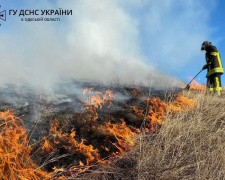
(106, 40)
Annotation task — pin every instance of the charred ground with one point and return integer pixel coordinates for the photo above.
(79, 132)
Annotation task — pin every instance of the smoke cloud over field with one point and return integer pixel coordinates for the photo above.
(103, 40)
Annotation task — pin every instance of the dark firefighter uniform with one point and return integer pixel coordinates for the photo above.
(214, 67)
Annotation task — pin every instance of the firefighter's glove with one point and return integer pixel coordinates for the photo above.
(205, 67)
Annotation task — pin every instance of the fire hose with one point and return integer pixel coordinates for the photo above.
(188, 85)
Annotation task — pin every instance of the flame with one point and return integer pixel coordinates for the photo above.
(138, 112)
(181, 103)
(96, 101)
(105, 148)
(119, 137)
(47, 146)
(158, 110)
(122, 135)
(58, 169)
(121, 132)
(73, 145)
(15, 151)
(81, 164)
(196, 86)
(99, 99)
(87, 90)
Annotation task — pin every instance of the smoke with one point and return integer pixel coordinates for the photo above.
(104, 40)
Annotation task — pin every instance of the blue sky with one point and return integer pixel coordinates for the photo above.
(217, 37)
(108, 39)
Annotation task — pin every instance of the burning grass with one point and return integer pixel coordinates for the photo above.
(196, 86)
(15, 150)
(91, 138)
(158, 110)
(189, 146)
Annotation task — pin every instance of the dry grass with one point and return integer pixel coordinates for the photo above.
(191, 145)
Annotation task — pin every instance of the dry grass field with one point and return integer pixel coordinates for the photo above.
(189, 145)
(183, 137)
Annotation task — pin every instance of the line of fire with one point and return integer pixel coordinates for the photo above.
(43, 137)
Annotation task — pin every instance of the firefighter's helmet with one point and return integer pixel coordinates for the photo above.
(205, 44)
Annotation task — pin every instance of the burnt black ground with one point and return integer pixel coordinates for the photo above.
(65, 103)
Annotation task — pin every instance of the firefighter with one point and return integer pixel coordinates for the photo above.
(214, 67)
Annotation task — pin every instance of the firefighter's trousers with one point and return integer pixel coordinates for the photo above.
(214, 83)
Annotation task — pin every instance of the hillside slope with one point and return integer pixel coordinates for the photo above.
(190, 145)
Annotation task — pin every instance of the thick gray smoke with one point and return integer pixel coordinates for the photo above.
(101, 41)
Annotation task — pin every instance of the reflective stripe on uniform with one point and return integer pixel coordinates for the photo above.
(214, 53)
(210, 89)
(218, 87)
(218, 57)
(217, 69)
